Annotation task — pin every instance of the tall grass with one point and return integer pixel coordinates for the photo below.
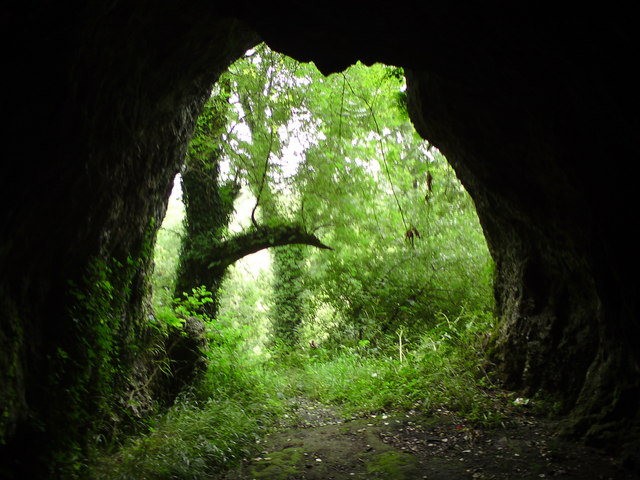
(209, 428)
(189, 442)
(444, 369)
(241, 396)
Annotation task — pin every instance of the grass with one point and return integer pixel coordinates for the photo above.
(189, 442)
(444, 370)
(242, 395)
(207, 430)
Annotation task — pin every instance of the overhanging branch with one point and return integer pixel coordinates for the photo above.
(227, 252)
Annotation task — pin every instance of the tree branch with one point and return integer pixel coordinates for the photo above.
(225, 253)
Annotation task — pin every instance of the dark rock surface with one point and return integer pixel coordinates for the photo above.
(537, 110)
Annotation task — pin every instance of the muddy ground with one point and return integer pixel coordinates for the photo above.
(317, 443)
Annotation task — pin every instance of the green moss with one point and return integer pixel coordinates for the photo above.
(279, 465)
(393, 465)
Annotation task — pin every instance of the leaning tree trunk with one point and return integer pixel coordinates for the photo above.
(208, 203)
(208, 210)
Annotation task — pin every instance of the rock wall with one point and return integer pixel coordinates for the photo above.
(102, 98)
(536, 110)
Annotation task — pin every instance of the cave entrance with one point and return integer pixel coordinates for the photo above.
(281, 145)
(393, 272)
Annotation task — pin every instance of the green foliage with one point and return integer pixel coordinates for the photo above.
(192, 441)
(359, 175)
(92, 358)
(192, 305)
(212, 426)
(391, 182)
(167, 318)
(442, 369)
(220, 421)
(245, 304)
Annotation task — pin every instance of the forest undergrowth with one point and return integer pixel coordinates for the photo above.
(244, 396)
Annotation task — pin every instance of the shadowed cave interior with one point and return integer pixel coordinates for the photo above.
(536, 111)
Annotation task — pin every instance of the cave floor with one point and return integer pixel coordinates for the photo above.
(318, 444)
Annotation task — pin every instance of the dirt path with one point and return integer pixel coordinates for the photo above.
(407, 446)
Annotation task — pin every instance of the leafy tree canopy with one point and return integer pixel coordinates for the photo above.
(338, 157)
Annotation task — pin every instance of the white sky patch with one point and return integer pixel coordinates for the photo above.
(370, 165)
(296, 137)
(176, 192)
(430, 155)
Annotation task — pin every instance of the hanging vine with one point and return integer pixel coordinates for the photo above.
(410, 231)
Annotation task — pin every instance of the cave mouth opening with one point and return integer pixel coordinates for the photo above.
(338, 157)
(381, 320)
(256, 312)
